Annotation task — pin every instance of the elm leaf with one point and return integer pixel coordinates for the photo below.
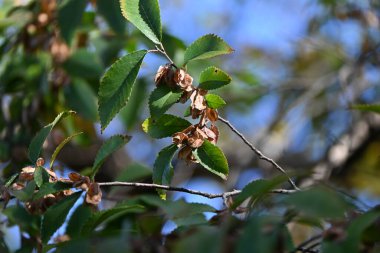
(145, 15)
(161, 99)
(108, 147)
(213, 78)
(212, 158)
(70, 14)
(205, 47)
(214, 101)
(163, 168)
(116, 85)
(164, 126)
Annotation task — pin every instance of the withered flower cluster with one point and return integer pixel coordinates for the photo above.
(193, 136)
(39, 206)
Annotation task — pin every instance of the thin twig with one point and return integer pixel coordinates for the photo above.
(258, 152)
(303, 246)
(181, 189)
(160, 49)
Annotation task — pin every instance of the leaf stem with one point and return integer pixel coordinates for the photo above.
(181, 189)
(160, 49)
(258, 152)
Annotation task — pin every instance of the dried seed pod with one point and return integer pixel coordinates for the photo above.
(40, 162)
(183, 80)
(179, 138)
(94, 194)
(212, 114)
(164, 76)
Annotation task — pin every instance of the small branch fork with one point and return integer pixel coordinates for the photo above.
(258, 152)
(181, 189)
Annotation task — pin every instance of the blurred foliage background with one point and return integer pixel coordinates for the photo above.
(297, 69)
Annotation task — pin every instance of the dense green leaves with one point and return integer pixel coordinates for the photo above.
(161, 99)
(38, 140)
(163, 168)
(214, 101)
(367, 107)
(56, 215)
(69, 17)
(59, 148)
(77, 220)
(165, 126)
(145, 15)
(205, 47)
(213, 78)
(212, 158)
(116, 85)
(108, 147)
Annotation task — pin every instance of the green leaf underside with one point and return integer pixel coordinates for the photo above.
(56, 215)
(213, 78)
(165, 126)
(39, 139)
(163, 168)
(70, 14)
(60, 146)
(161, 99)
(116, 85)
(108, 147)
(258, 188)
(214, 101)
(205, 47)
(109, 215)
(367, 107)
(212, 158)
(145, 15)
(50, 188)
(40, 176)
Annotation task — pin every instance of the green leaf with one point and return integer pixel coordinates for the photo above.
(258, 188)
(38, 140)
(131, 113)
(109, 215)
(214, 101)
(10, 181)
(56, 215)
(70, 16)
(77, 220)
(60, 146)
(213, 78)
(163, 168)
(187, 113)
(165, 126)
(367, 107)
(161, 99)
(333, 205)
(212, 158)
(110, 10)
(145, 15)
(108, 147)
(26, 193)
(50, 188)
(116, 85)
(41, 176)
(205, 47)
(134, 172)
(81, 98)
(84, 64)
(17, 214)
(205, 239)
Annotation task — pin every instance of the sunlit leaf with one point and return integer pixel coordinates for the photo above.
(145, 15)
(38, 140)
(56, 215)
(213, 78)
(214, 101)
(212, 158)
(163, 168)
(205, 47)
(161, 99)
(165, 126)
(108, 147)
(116, 85)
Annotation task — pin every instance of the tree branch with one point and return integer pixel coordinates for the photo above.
(258, 152)
(181, 189)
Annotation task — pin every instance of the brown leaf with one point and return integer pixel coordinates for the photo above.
(212, 114)
(27, 173)
(94, 194)
(40, 162)
(179, 138)
(183, 80)
(164, 75)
